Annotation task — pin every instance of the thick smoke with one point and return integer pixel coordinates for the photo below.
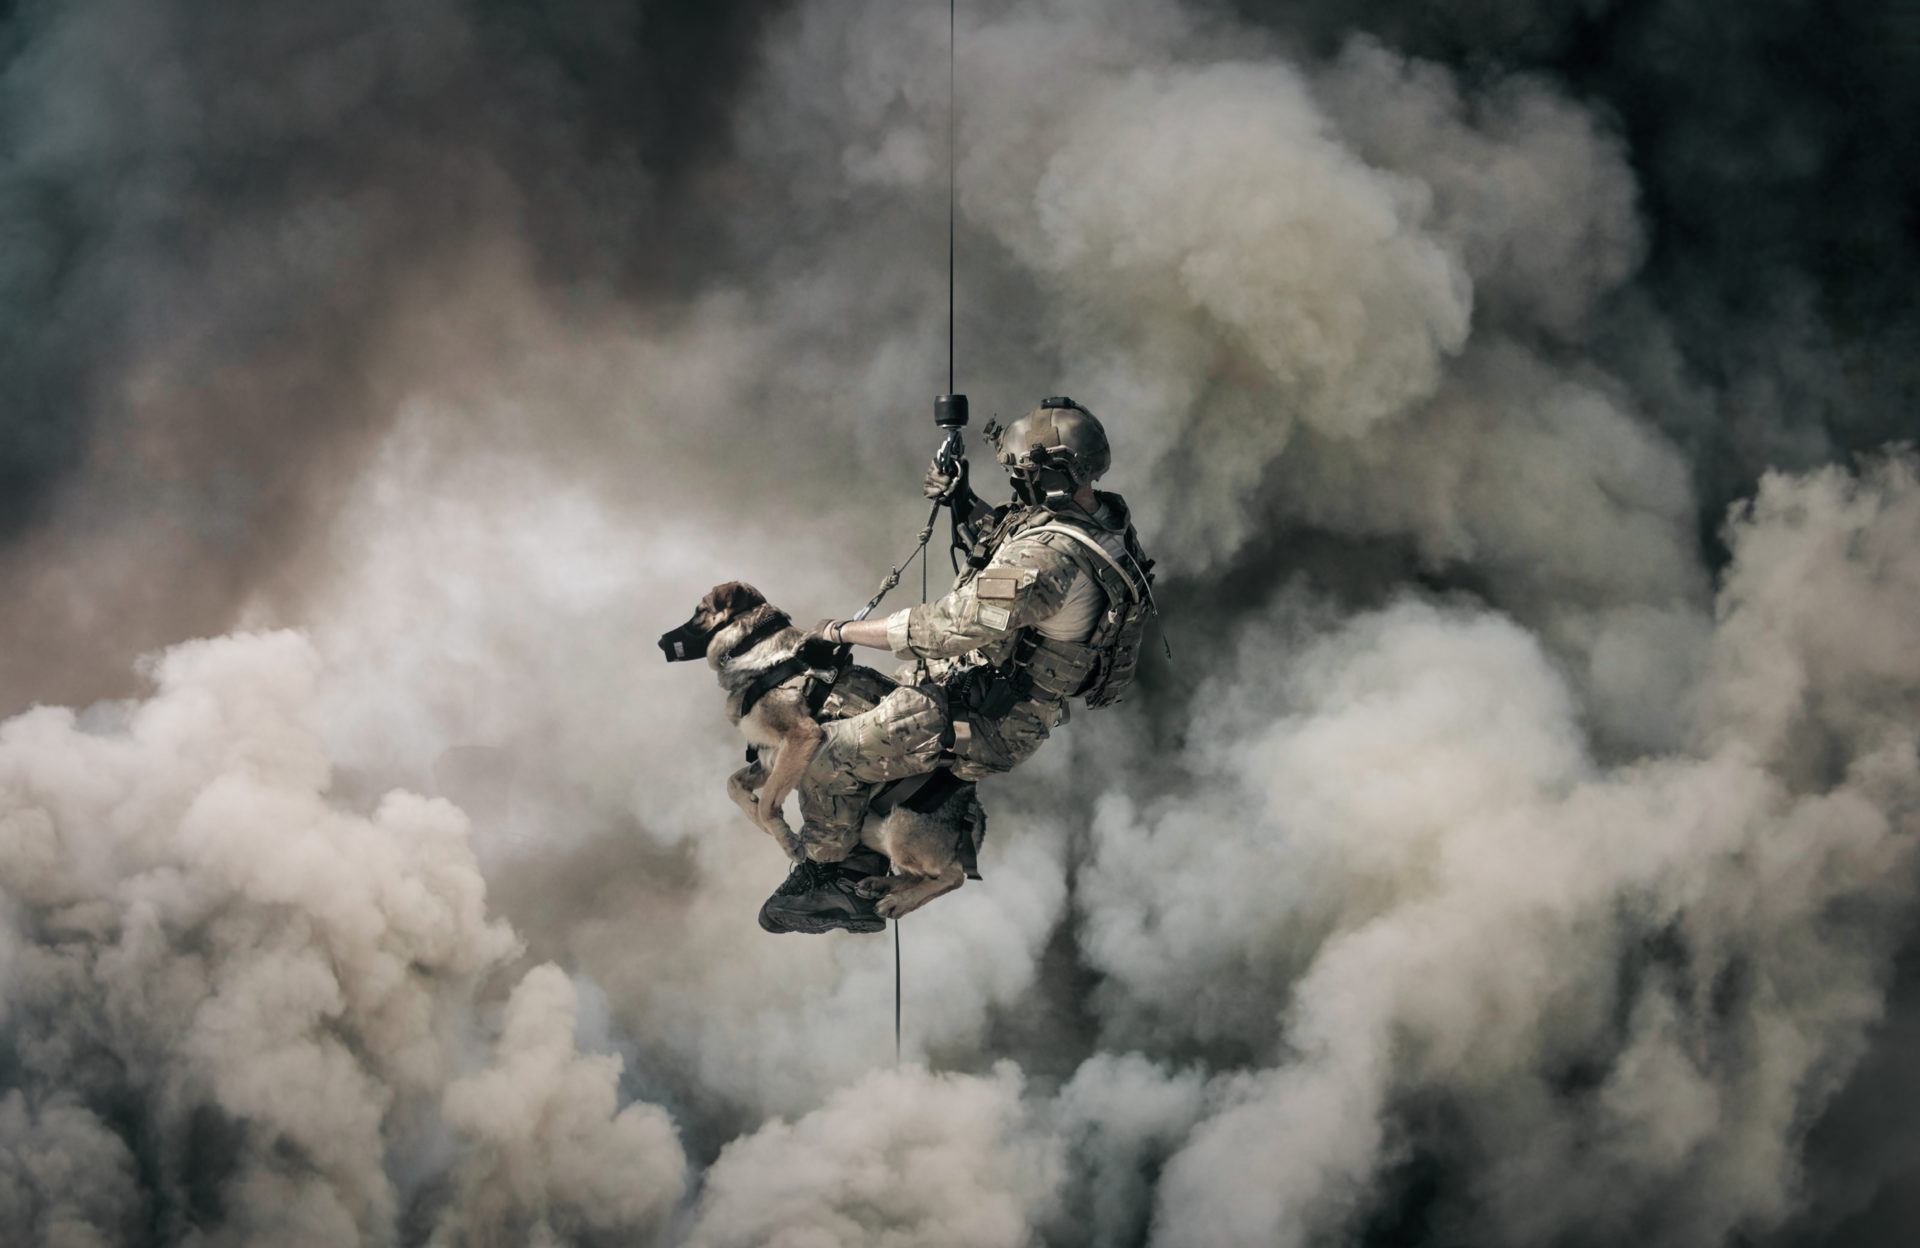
(901, 1157)
(556, 1157)
(269, 992)
(1472, 887)
(1518, 849)
(219, 221)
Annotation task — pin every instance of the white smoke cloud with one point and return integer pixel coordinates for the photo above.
(1579, 515)
(1222, 193)
(1120, 1116)
(903, 1157)
(1488, 882)
(553, 1153)
(1533, 190)
(1220, 266)
(208, 932)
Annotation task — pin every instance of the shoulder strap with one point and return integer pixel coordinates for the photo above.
(775, 621)
(769, 680)
(1134, 590)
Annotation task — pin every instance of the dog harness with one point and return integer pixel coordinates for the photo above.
(766, 628)
(813, 656)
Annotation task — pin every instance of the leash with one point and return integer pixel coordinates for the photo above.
(893, 573)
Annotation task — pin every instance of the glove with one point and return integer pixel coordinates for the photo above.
(944, 486)
(827, 631)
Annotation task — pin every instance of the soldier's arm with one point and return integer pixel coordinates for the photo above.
(862, 633)
(1025, 584)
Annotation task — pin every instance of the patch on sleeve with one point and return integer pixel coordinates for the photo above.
(995, 617)
(997, 585)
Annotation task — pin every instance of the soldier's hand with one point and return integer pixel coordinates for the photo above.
(826, 631)
(947, 485)
(849, 633)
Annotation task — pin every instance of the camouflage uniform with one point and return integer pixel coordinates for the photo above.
(946, 708)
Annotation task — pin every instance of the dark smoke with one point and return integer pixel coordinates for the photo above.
(1519, 849)
(220, 220)
(1776, 153)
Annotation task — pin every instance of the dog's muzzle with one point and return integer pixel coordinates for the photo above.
(685, 643)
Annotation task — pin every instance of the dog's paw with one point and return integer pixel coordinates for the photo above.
(874, 886)
(892, 906)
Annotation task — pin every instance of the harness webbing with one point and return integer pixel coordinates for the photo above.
(1139, 584)
(768, 627)
(1135, 584)
(769, 680)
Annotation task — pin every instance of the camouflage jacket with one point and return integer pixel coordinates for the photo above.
(985, 626)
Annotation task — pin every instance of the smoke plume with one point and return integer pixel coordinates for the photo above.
(1518, 848)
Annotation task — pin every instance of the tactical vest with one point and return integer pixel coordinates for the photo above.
(1100, 669)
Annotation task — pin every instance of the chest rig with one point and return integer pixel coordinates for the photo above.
(1032, 667)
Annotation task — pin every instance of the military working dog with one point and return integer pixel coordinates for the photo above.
(779, 684)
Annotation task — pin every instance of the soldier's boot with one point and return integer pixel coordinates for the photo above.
(824, 896)
(865, 864)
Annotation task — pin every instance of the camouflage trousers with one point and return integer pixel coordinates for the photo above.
(907, 732)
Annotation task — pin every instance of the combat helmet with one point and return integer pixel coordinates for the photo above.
(1054, 450)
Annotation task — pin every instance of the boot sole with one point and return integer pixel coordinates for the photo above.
(861, 926)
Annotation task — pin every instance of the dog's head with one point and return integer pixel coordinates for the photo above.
(722, 605)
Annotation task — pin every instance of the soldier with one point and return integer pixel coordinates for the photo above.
(1052, 605)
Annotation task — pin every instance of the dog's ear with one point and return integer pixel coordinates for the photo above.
(735, 598)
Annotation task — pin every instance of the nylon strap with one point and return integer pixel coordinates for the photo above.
(773, 624)
(769, 680)
(1133, 589)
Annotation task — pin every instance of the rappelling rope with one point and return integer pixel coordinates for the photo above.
(953, 114)
(926, 534)
(954, 445)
